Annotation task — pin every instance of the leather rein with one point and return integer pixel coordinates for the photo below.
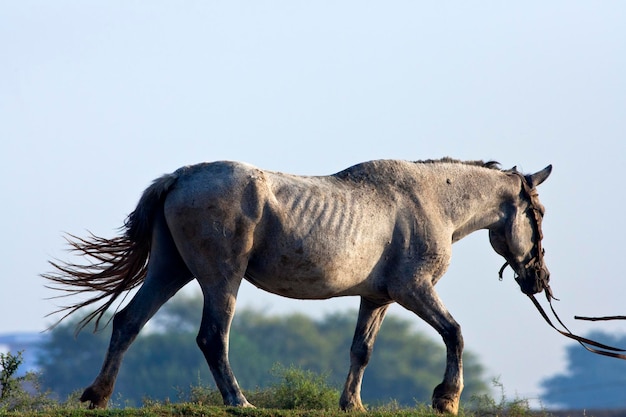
(536, 262)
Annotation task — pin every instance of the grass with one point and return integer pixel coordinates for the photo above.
(198, 410)
(297, 393)
(193, 410)
(484, 406)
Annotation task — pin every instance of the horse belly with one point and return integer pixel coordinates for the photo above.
(306, 274)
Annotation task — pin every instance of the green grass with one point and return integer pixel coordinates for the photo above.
(296, 393)
(193, 410)
(197, 410)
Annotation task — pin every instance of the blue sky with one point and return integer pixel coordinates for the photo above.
(97, 99)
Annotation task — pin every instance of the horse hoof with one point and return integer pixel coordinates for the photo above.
(446, 406)
(350, 403)
(445, 402)
(95, 399)
(238, 401)
(356, 407)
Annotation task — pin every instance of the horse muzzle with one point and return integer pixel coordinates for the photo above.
(534, 279)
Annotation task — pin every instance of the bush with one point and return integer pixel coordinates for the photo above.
(296, 389)
(8, 383)
(300, 389)
(20, 393)
(203, 395)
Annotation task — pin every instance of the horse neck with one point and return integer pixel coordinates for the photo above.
(474, 201)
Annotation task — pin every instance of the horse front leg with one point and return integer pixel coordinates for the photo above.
(424, 301)
(371, 316)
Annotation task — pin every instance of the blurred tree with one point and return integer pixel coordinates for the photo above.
(589, 381)
(164, 360)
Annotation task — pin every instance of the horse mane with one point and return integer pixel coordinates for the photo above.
(386, 168)
(447, 160)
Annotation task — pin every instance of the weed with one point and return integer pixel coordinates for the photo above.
(485, 405)
(203, 395)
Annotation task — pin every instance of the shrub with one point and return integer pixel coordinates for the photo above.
(8, 383)
(302, 390)
(20, 393)
(203, 395)
(296, 389)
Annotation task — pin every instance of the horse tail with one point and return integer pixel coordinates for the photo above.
(115, 265)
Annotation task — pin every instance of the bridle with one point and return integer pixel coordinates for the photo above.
(536, 264)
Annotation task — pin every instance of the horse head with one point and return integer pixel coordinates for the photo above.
(518, 236)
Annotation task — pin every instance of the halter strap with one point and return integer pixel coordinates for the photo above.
(598, 348)
(603, 349)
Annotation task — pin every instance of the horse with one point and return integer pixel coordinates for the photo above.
(381, 230)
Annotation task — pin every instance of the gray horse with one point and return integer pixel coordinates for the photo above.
(382, 230)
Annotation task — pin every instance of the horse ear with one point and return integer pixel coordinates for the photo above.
(539, 177)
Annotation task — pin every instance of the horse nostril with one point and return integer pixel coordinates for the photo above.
(543, 274)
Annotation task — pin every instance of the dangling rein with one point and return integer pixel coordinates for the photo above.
(599, 348)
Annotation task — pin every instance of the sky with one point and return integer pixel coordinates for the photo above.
(99, 98)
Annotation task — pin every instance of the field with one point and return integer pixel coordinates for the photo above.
(301, 393)
(193, 410)
(197, 410)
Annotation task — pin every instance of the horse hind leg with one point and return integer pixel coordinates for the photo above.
(370, 318)
(217, 315)
(166, 275)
